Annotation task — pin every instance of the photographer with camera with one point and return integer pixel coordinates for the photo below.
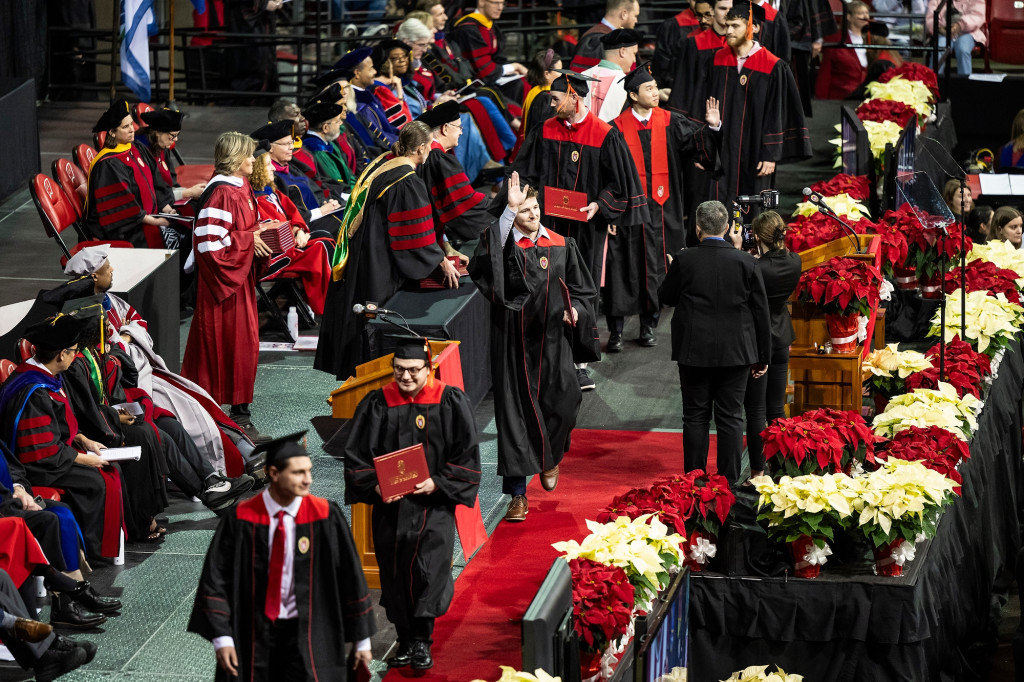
(780, 271)
(719, 296)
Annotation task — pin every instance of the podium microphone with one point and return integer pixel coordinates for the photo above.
(815, 198)
(370, 310)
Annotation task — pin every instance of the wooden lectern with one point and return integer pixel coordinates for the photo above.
(343, 401)
(834, 379)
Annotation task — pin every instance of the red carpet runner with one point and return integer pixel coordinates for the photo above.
(482, 628)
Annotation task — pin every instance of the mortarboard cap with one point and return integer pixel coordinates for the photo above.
(621, 37)
(79, 287)
(56, 333)
(878, 29)
(637, 77)
(332, 93)
(577, 81)
(319, 112)
(274, 131)
(163, 120)
(262, 147)
(88, 260)
(743, 10)
(350, 60)
(112, 117)
(412, 348)
(446, 112)
(280, 450)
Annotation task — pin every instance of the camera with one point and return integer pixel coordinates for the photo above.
(767, 200)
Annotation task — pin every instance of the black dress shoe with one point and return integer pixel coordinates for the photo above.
(647, 339)
(221, 492)
(614, 343)
(65, 613)
(85, 645)
(62, 657)
(421, 658)
(91, 600)
(402, 657)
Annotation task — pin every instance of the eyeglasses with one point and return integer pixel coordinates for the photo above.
(455, 125)
(73, 350)
(288, 144)
(411, 371)
(706, 15)
(173, 136)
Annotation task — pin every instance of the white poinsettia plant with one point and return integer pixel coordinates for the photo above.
(900, 500)
(642, 547)
(926, 407)
(887, 369)
(879, 135)
(912, 93)
(842, 204)
(992, 321)
(759, 673)
(1002, 255)
(813, 505)
(509, 674)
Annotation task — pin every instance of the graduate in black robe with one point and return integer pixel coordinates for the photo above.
(459, 211)
(762, 118)
(661, 144)
(387, 237)
(326, 602)
(693, 71)
(577, 151)
(774, 33)
(536, 392)
(41, 430)
(414, 534)
(668, 42)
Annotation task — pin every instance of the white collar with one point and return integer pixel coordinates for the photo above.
(637, 116)
(38, 365)
(586, 112)
(605, 22)
(273, 507)
(230, 179)
(756, 46)
(316, 134)
(517, 235)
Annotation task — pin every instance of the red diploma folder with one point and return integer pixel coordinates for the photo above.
(565, 203)
(398, 472)
(566, 300)
(278, 236)
(435, 280)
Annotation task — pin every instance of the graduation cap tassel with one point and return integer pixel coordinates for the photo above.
(750, 22)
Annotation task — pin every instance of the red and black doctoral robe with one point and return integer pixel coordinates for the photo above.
(414, 537)
(661, 150)
(121, 194)
(333, 603)
(762, 120)
(38, 424)
(693, 72)
(394, 243)
(223, 345)
(312, 264)
(668, 45)
(397, 110)
(589, 50)
(458, 209)
(590, 157)
(483, 45)
(536, 391)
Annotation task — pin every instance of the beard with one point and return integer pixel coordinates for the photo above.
(331, 137)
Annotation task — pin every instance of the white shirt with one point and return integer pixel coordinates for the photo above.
(506, 224)
(862, 54)
(288, 606)
(741, 61)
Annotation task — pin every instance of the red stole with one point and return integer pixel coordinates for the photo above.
(161, 165)
(659, 122)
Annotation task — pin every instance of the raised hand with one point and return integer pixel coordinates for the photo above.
(712, 113)
(516, 194)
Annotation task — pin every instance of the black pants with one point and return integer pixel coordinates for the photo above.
(513, 485)
(420, 629)
(27, 655)
(721, 390)
(765, 401)
(617, 324)
(285, 659)
(187, 467)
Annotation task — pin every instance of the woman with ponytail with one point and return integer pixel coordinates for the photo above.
(780, 270)
(386, 238)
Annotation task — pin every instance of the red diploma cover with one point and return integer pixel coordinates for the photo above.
(435, 280)
(565, 203)
(566, 300)
(278, 236)
(398, 472)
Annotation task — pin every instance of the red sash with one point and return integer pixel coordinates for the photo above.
(113, 513)
(630, 128)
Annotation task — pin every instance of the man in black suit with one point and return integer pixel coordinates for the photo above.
(721, 333)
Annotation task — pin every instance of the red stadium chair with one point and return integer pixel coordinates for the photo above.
(58, 214)
(138, 109)
(83, 155)
(72, 180)
(6, 367)
(99, 139)
(1006, 31)
(25, 350)
(194, 174)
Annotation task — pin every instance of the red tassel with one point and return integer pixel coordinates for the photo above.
(750, 22)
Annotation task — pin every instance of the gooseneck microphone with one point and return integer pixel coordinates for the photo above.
(816, 199)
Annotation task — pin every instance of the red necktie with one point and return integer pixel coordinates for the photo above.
(272, 607)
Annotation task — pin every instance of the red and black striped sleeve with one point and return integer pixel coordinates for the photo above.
(38, 439)
(477, 43)
(411, 228)
(114, 209)
(458, 208)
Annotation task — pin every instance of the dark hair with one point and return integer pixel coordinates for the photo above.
(1002, 216)
(770, 228)
(976, 217)
(542, 61)
(45, 355)
(413, 135)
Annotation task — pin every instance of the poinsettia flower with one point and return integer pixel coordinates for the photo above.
(856, 186)
(881, 110)
(842, 204)
(911, 93)
(913, 71)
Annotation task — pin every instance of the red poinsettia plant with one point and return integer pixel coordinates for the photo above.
(927, 245)
(857, 186)
(935, 447)
(912, 71)
(983, 275)
(602, 599)
(882, 110)
(639, 501)
(893, 246)
(806, 232)
(965, 369)
(841, 286)
(704, 500)
(824, 441)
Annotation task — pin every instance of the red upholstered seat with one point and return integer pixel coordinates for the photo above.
(25, 350)
(189, 175)
(83, 155)
(48, 493)
(72, 180)
(138, 109)
(6, 367)
(1006, 31)
(58, 214)
(99, 139)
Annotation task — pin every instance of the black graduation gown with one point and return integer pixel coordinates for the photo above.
(540, 111)
(591, 158)
(668, 44)
(334, 605)
(42, 456)
(252, 68)
(414, 537)
(395, 242)
(459, 211)
(762, 120)
(774, 34)
(693, 72)
(641, 260)
(536, 393)
(589, 50)
(121, 194)
(142, 483)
